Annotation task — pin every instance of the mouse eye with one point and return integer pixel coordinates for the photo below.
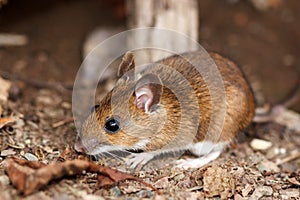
(112, 125)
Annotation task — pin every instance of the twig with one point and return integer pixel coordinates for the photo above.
(7, 39)
(62, 122)
(289, 158)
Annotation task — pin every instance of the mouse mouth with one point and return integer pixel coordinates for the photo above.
(104, 149)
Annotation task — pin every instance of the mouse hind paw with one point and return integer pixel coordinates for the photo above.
(198, 162)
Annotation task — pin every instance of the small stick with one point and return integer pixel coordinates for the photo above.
(7, 39)
(62, 122)
(289, 158)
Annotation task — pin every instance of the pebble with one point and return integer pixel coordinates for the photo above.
(8, 152)
(28, 141)
(258, 144)
(30, 157)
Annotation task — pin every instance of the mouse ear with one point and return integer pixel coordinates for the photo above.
(127, 64)
(148, 91)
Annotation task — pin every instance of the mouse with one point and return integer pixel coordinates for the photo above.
(168, 107)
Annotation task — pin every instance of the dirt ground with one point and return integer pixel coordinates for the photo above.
(266, 44)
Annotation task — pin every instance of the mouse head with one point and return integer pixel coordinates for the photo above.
(127, 116)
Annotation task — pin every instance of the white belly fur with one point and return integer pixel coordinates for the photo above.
(206, 147)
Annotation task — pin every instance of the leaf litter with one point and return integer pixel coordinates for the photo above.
(241, 172)
(30, 176)
(46, 133)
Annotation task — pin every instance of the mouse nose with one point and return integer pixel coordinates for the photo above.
(78, 146)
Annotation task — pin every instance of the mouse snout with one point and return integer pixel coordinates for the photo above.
(85, 145)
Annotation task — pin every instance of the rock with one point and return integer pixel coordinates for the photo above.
(31, 157)
(258, 144)
(8, 152)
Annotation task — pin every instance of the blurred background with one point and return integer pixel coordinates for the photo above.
(44, 40)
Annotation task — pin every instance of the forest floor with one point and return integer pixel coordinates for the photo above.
(36, 119)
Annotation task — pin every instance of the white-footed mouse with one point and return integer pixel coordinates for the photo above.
(142, 113)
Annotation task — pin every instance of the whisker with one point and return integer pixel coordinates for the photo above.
(97, 157)
(117, 157)
(116, 153)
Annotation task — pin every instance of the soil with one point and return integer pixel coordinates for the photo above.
(266, 44)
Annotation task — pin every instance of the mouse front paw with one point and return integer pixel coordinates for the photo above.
(136, 159)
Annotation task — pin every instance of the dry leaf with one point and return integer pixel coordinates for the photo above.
(28, 176)
(8, 120)
(294, 181)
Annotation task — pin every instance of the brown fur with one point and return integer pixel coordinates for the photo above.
(162, 126)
